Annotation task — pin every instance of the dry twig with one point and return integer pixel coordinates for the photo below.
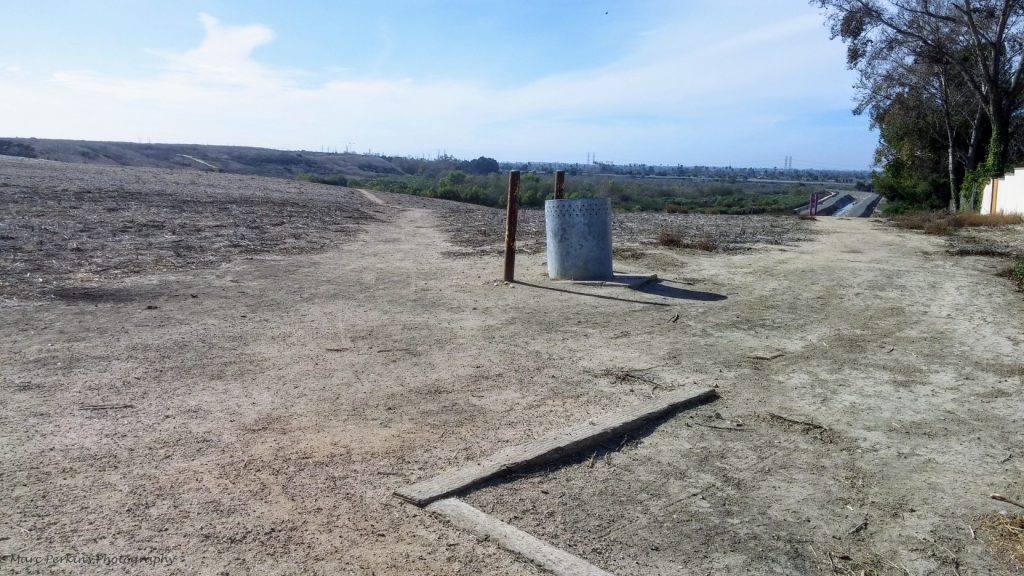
(731, 429)
(1002, 498)
(800, 422)
(766, 356)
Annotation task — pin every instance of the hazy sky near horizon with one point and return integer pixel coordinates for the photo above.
(711, 82)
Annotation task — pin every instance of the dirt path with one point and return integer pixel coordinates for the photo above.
(255, 417)
(907, 359)
(372, 197)
(271, 415)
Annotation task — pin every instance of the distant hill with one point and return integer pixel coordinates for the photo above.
(234, 159)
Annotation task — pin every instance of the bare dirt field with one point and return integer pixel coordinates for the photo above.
(68, 226)
(238, 407)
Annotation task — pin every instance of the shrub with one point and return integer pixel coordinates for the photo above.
(331, 179)
(669, 238)
(943, 223)
(968, 219)
(1006, 534)
(1015, 273)
(674, 239)
(913, 220)
(891, 208)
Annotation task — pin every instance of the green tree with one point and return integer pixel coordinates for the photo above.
(974, 47)
(482, 165)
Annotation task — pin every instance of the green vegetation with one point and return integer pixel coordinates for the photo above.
(712, 197)
(1016, 273)
(332, 179)
(632, 187)
(628, 194)
(441, 165)
(943, 81)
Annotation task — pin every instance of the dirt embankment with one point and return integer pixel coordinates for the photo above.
(67, 227)
(232, 159)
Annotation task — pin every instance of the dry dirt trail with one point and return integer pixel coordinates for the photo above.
(255, 417)
(906, 365)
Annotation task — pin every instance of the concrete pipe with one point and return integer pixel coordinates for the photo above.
(579, 235)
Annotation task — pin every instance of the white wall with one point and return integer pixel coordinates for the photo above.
(986, 199)
(1009, 194)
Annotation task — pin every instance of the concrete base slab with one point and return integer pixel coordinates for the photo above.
(631, 281)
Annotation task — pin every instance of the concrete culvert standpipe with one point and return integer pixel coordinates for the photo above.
(579, 237)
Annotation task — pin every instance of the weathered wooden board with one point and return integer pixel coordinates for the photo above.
(513, 539)
(563, 444)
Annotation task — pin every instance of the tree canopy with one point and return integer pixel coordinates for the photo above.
(943, 82)
(482, 165)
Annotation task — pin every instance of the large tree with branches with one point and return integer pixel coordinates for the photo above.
(968, 55)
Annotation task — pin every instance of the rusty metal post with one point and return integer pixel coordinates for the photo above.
(511, 223)
(559, 184)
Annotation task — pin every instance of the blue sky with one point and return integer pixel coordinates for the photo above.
(726, 82)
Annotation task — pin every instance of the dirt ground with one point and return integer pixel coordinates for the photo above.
(72, 226)
(480, 231)
(253, 414)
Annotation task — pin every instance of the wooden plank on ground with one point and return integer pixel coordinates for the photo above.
(558, 446)
(513, 539)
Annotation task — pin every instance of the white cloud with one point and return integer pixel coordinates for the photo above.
(681, 88)
(225, 57)
(676, 71)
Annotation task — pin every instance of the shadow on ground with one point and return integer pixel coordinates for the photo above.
(653, 288)
(662, 288)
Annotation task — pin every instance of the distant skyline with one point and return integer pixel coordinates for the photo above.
(704, 82)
